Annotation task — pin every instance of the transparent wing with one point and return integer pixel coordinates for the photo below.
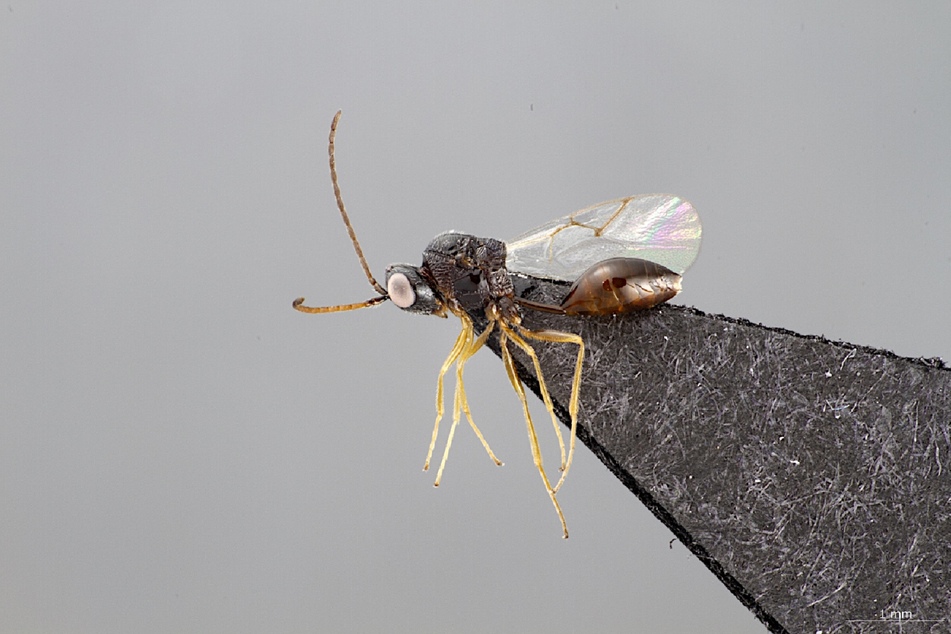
(658, 227)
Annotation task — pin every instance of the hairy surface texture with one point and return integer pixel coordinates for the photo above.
(811, 476)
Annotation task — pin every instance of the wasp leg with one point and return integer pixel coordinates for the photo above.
(532, 437)
(460, 386)
(463, 340)
(460, 402)
(455, 421)
(527, 349)
(555, 336)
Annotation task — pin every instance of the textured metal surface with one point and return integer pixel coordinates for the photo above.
(812, 477)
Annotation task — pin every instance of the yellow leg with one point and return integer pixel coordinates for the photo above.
(452, 431)
(543, 388)
(460, 386)
(460, 402)
(532, 437)
(555, 336)
(463, 340)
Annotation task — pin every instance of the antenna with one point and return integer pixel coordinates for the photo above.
(383, 296)
(343, 209)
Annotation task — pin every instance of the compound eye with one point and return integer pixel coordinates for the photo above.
(401, 290)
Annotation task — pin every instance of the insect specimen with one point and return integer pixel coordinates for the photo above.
(621, 255)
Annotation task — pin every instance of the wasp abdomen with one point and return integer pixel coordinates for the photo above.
(620, 285)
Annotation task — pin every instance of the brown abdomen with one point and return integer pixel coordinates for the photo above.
(619, 285)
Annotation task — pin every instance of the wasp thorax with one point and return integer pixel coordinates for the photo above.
(469, 273)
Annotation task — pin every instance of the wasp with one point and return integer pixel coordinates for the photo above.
(622, 255)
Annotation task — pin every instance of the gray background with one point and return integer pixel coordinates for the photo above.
(180, 451)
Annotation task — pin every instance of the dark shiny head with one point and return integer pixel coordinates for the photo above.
(408, 288)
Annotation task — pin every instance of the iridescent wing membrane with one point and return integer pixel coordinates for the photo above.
(658, 227)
